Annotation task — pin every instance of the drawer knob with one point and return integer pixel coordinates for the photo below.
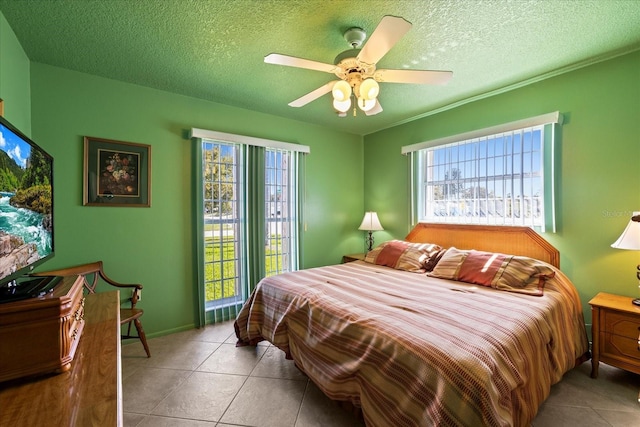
(79, 314)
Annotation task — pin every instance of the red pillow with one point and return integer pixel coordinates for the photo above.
(401, 255)
(481, 267)
(390, 253)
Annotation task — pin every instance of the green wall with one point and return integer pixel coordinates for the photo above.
(14, 79)
(599, 166)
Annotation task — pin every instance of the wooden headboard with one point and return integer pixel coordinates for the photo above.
(522, 241)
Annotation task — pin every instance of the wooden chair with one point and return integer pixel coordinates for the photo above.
(91, 273)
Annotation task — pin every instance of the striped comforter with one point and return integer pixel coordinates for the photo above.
(412, 350)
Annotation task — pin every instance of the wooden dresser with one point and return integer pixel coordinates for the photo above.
(40, 335)
(615, 332)
(87, 394)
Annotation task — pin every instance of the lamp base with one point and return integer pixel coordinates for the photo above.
(369, 240)
(636, 301)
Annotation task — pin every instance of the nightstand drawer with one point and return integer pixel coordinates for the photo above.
(617, 345)
(622, 324)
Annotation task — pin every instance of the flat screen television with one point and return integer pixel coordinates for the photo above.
(26, 213)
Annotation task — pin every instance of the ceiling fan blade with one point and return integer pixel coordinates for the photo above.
(375, 110)
(292, 61)
(413, 76)
(312, 96)
(384, 37)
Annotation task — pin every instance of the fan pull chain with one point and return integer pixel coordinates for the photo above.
(355, 101)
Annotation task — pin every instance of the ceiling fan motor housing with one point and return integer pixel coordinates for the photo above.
(355, 37)
(351, 70)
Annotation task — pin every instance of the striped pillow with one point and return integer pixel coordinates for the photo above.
(503, 272)
(449, 265)
(524, 275)
(403, 255)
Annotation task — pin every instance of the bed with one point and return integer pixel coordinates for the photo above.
(410, 349)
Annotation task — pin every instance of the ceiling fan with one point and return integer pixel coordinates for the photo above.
(356, 69)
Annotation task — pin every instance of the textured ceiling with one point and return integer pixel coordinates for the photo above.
(214, 49)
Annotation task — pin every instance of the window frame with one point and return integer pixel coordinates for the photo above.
(548, 124)
(252, 204)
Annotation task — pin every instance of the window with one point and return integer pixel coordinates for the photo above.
(250, 216)
(496, 176)
(281, 200)
(222, 170)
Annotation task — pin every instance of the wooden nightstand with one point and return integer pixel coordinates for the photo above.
(353, 257)
(615, 333)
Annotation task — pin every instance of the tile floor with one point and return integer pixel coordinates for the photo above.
(199, 378)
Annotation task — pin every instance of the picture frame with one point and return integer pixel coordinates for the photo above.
(116, 173)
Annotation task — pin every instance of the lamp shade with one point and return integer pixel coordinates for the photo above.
(630, 237)
(341, 91)
(342, 106)
(369, 89)
(366, 105)
(370, 222)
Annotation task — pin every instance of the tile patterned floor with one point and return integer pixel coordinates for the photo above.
(199, 378)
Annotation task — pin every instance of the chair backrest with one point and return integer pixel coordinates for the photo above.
(90, 279)
(90, 273)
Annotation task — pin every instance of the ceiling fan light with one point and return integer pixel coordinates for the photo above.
(366, 104)
(341, 91)
(369, 89)
(342, 106)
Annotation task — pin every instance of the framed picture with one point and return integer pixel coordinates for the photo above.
(116, 173)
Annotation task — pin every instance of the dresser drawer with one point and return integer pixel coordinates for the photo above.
(618, 345)
(622, 324)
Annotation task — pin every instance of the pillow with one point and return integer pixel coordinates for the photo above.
(449, 264)
(524, 275)
(403, 255)
(503, 272)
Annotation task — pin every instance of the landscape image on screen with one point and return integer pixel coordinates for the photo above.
(26, 225)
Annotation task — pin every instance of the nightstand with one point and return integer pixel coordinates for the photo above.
(615, 333)
(353, 257)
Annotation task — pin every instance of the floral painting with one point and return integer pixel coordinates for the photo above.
(119, 174)
(116, 173)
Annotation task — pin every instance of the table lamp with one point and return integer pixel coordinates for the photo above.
(630, 239)
(370, 223)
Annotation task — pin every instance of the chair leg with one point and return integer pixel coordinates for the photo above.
(142, 336)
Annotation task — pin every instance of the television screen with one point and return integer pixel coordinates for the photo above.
(26, 205)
